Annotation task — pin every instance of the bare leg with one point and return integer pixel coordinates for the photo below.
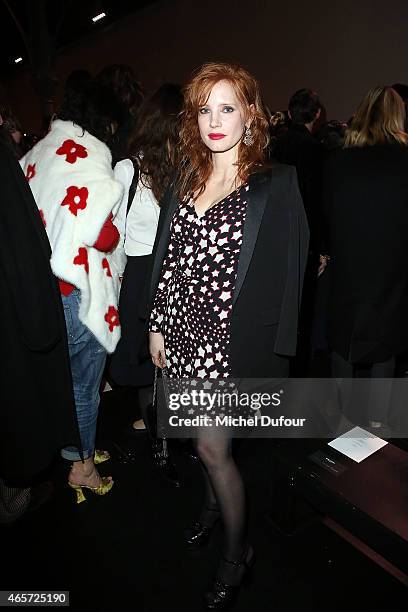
(85, 473)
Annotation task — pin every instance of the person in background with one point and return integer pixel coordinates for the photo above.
(71, 178)
(278, 125)
(365, 194)
(37, 411)
(402, 91)
(76, 87)
(121, 80)
(331, 135)
(12, 126)
(229, 260)
(297, 146)
(145, 175)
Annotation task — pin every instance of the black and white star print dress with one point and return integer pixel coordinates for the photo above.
(193, 303)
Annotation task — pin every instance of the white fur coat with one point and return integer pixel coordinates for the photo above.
(71, 178)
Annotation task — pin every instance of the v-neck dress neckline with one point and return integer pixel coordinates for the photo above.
(213, 205)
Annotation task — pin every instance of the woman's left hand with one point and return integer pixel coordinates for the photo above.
(156, 346)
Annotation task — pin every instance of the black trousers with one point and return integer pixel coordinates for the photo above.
(131, 365)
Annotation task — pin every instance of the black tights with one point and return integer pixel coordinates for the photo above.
(224, 489)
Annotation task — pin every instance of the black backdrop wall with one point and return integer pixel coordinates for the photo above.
(340, 48)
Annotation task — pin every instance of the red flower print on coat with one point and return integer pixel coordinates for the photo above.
(82, 259)
(75, 199)
(105, 266)
(72, 151)
(112, 318)
(30, 172)
(42, 217)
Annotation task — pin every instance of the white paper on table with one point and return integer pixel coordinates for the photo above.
(358, 444)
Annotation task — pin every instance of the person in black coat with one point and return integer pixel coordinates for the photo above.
(298, 146)
(37, 413)
(365, 196)
(229, 261)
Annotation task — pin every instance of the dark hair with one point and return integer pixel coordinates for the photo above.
(10, 121)
(304, 106)
(122, 81)
(332, 134)
(6, 139)
(75, 94)
(92, 107)
(10, 124)
(77, 83)
(154, 141)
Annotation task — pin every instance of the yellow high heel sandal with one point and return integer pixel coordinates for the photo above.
(104, 488)
(100, 456)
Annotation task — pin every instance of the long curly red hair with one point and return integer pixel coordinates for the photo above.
(196, 164)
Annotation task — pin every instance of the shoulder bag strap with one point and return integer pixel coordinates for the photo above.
(133, 185)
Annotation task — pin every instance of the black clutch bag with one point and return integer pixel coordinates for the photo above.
(154, 428)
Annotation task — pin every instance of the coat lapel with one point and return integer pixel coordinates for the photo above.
(256, 198)
(162, 245)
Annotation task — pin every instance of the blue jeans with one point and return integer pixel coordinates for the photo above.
(87, 358)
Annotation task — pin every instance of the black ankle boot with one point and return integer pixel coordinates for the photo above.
(223, 594)
(199, 533)
(162, 462)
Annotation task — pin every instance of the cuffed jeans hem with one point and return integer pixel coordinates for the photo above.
(71, 454)
(87, 357)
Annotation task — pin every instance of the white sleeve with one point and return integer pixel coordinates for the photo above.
(123, 173)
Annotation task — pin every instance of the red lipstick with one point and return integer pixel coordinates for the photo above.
(214, 136)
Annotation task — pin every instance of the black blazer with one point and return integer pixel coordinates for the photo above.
(366, 202)
(270, 272)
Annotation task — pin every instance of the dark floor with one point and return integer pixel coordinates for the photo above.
(124, 551)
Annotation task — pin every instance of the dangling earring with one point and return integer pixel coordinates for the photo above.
(248, 138)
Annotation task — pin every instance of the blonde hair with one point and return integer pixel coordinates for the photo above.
(196, 158)
(379, 119)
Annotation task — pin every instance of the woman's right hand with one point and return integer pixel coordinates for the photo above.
(323, 261)
(156, 347)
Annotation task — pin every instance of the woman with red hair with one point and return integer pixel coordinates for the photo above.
(225, 291)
